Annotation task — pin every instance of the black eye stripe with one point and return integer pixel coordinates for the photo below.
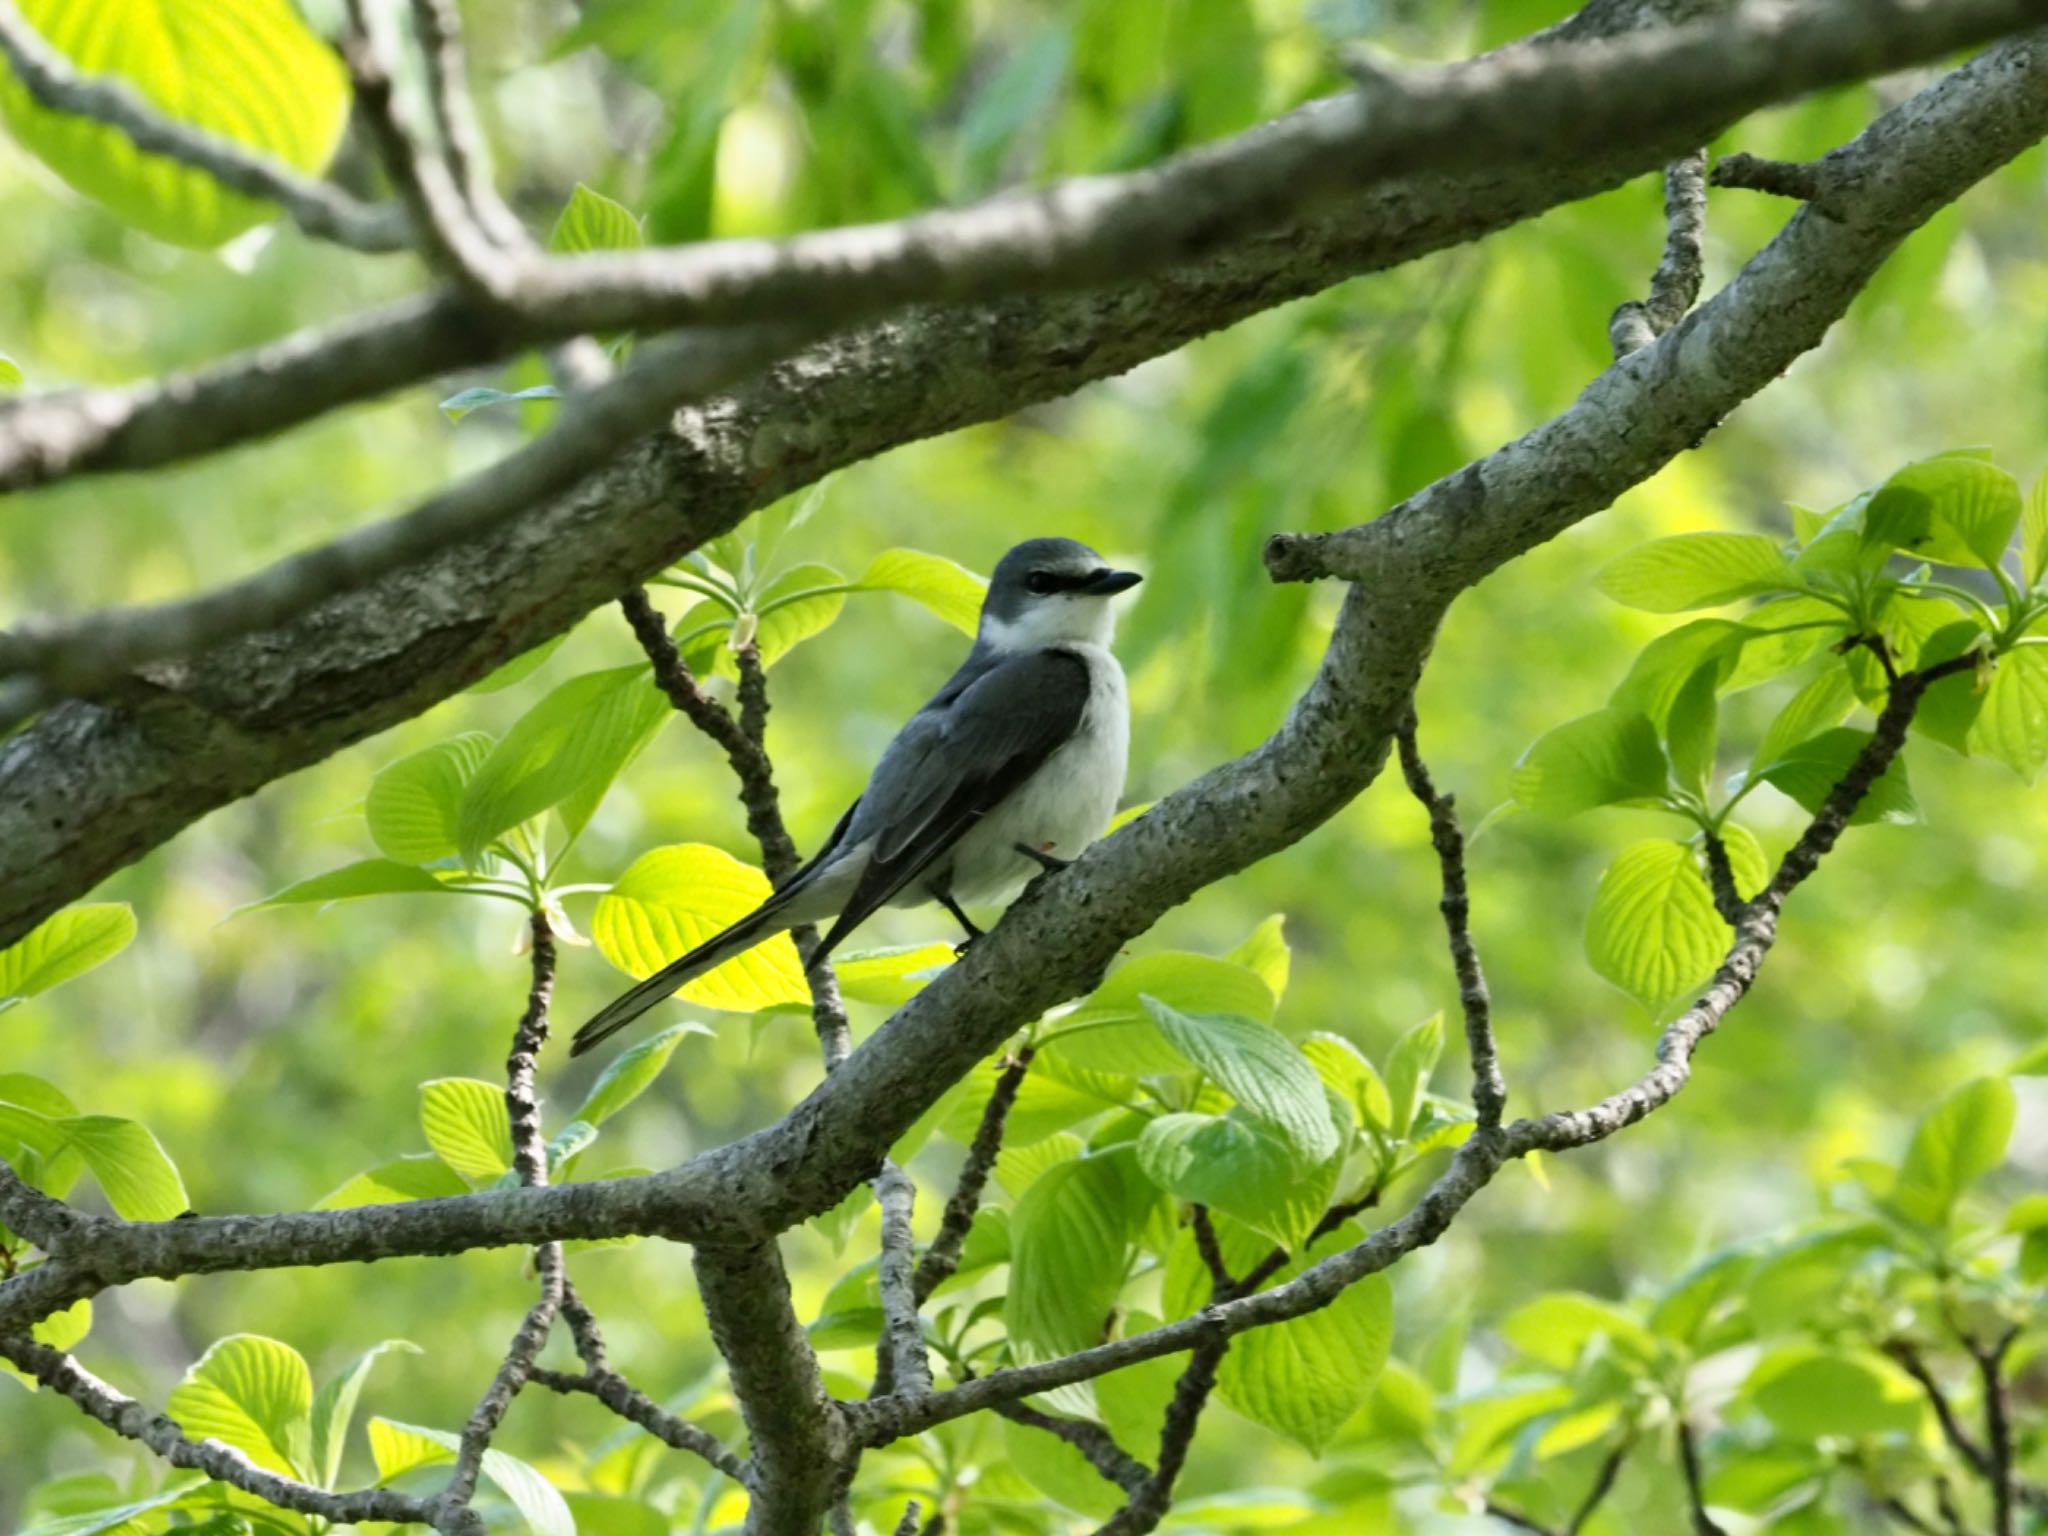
(1045, 583)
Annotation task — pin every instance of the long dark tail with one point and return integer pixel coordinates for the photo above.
(764, 922)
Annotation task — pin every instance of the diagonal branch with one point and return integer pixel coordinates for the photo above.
(161, 1434)
(635, 1406)
(942, 1258)
(319, 208)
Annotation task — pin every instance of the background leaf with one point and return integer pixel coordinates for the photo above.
(669, 900)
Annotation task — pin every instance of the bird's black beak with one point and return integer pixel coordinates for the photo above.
(1106, 582)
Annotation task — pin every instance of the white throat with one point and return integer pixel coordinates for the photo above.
(1070, 618)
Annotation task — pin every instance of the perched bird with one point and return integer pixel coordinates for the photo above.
(1014, 766)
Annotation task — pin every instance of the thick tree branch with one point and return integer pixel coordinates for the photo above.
(83, 656)
(1580, 108)
(319, 208)
(799, 1446)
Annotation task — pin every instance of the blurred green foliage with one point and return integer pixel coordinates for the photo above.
(1827, 1191)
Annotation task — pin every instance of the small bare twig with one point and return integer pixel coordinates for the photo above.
(1703, 1524)
(1804, 180)
(1675, 285)
(1489, 1087)
(1914, 1364)
(635, 1406)
(439, 24)
(320, 209)
(907, 1526)
(1093, 1441)
(942, 1258)
(1990, 1362)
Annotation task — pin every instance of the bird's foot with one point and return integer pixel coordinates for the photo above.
(1041, 858)
(960, 949)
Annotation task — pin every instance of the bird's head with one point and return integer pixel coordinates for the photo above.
(1048, 590)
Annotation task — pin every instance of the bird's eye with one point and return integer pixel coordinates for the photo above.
(1041, 583)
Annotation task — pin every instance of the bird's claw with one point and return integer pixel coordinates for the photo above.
(1041, 858)
(960, 949)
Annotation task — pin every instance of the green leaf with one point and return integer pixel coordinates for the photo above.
(1821, 704)
(2011, 717)
(1261, 1069)
(1111, 1031)
(1810, 771)
(66, 944)
(800, 603)
(1234, 1164)
(366, 877)
(2034, 531)
(1266, 955)
(119, 1519)
(417, 1176)
(1409, 1066)
(670, 900)
(1610, 757)
(1344, 1068)
(250, 72)
(1306, 1376)
(1959, 1141)
(1783, 633)
(138, 1179)
(951, 591)
(1070, 1238)
(631, 1073)
(467, 1125)
(463, 401)
(1957, 510)
(10, 373)
(590, 221)
(256, 1395)
(413, 804)
(1691, 728)
(563, 753)
(538, 1501)
(1690, 1301)
(890, 976)
(1653, 930)
(1059, 1471)
(33, 1093)
(1556, 1328)
(1696, 570)
(335, 1408)
(519, 668)
(1664, 666)
(1808, 1393)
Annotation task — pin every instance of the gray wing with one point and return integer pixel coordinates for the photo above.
(952, 765)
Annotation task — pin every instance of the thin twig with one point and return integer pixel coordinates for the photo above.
(1990, 1361)
(1603, 1484)
(1092, 1440)
(1703, 1524)
(1910, 1360)
(439, 24)
(1728, 897)
(1489, 1087)
(1148, 1506)
(161, 1434)
(530, 1161)
(1675, 285)
(1508, 1515)
(320, 209)
(635, 1406)
(942, 1258)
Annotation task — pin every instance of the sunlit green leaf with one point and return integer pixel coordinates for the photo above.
(519, 668)
(539, 1502)
(1810, 770)
(951, 591)
(250, 72)
(1653, 930)
(1409, 1065)
(334, 1409)
(1266, 954)
(590, 221)
(632, 1072)
(1808, 1392)
(1234, 1164)
(419, 1176)
(1961, 1139)
(131, 1166)
(256, 1395)
(66, 944)
(1556, 1328)
(671, 899)
(365, 877)
(1069, 1238)
(1111, 1032)
(467, 1125)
